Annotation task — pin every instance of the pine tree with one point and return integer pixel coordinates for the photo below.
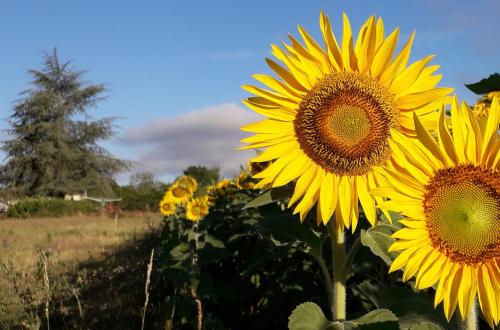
(54, 148)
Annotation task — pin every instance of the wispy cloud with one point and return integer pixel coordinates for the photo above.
(208, 136)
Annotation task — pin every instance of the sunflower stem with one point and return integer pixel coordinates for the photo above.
(470, 323)
(338, 298)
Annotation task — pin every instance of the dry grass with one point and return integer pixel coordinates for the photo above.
(89, 258)
(68, 240)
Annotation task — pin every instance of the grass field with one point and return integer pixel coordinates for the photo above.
(95, 265)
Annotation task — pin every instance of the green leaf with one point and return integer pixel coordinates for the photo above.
(398, 299)
(379, 244)
(270, 196)
(214, 241)
(486, 85)
(286, 229)
(426, 326)
(309, 316)
(378, 319)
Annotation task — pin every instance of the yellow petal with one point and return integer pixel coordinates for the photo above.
(302, 184)
(418, 100)
(366, 200)
(328, 197)
(384, 53)
(445, 141)
(293, 170)
(284, 101)
(347, 45)
(274, 112)
(430, 270)
(279, 87)
(399, 62)
(332, 46)
(345, 199)
(286, 76)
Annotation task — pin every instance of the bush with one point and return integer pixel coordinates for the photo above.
(49, 207)
(141, 198)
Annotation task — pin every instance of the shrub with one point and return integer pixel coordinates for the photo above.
(49, 207)
(141, 198)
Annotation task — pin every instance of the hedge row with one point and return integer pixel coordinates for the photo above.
(49, 207)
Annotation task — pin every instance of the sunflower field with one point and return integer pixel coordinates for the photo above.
(373, 201)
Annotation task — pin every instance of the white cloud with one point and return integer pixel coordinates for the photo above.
(208, 137)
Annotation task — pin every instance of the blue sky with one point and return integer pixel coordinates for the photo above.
(169, 63)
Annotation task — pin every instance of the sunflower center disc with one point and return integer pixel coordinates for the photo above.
(344, 122)
(462, 206)
(196, 210)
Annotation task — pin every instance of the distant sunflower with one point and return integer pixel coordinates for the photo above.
(167, 205)
(450, 192)
(180, 193)
(197, 208)
(223, 183)
(187, 182)
(330, 114)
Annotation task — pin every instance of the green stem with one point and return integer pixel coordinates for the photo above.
(338, 301)
(470, 323)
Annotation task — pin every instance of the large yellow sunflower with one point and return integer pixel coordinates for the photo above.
(330, 113)
(449, 191)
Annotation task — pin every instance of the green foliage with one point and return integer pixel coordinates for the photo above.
(486, 85)
(309, 316)
(54, 148)
(243, 279)
(142, 193)
(204, 175)
(49, 207)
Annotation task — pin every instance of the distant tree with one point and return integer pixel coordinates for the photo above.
(205, 176)
(145, 181)
(143, 192)
(54, 148)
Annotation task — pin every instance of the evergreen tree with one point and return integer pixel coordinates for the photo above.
(54, 148)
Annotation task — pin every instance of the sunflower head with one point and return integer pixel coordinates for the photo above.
(329, 113)
(197, 208)
(244, 181)
(180, 194)
(187, 182)
(223, 183)
(167, 206)
(449, 190)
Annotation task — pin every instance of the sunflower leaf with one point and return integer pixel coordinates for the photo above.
(309, 316)
(286, 230)
(270, 196)
(397, 299)
(425, 326)
(379, 243)
(378, 319)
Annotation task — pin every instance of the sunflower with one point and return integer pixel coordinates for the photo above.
(223, 183)
(167, 205)
(187, 182)
(330, 112)
(244, 181)
(483, 106)
(180, 193)
(449, 191)
(197, 208)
